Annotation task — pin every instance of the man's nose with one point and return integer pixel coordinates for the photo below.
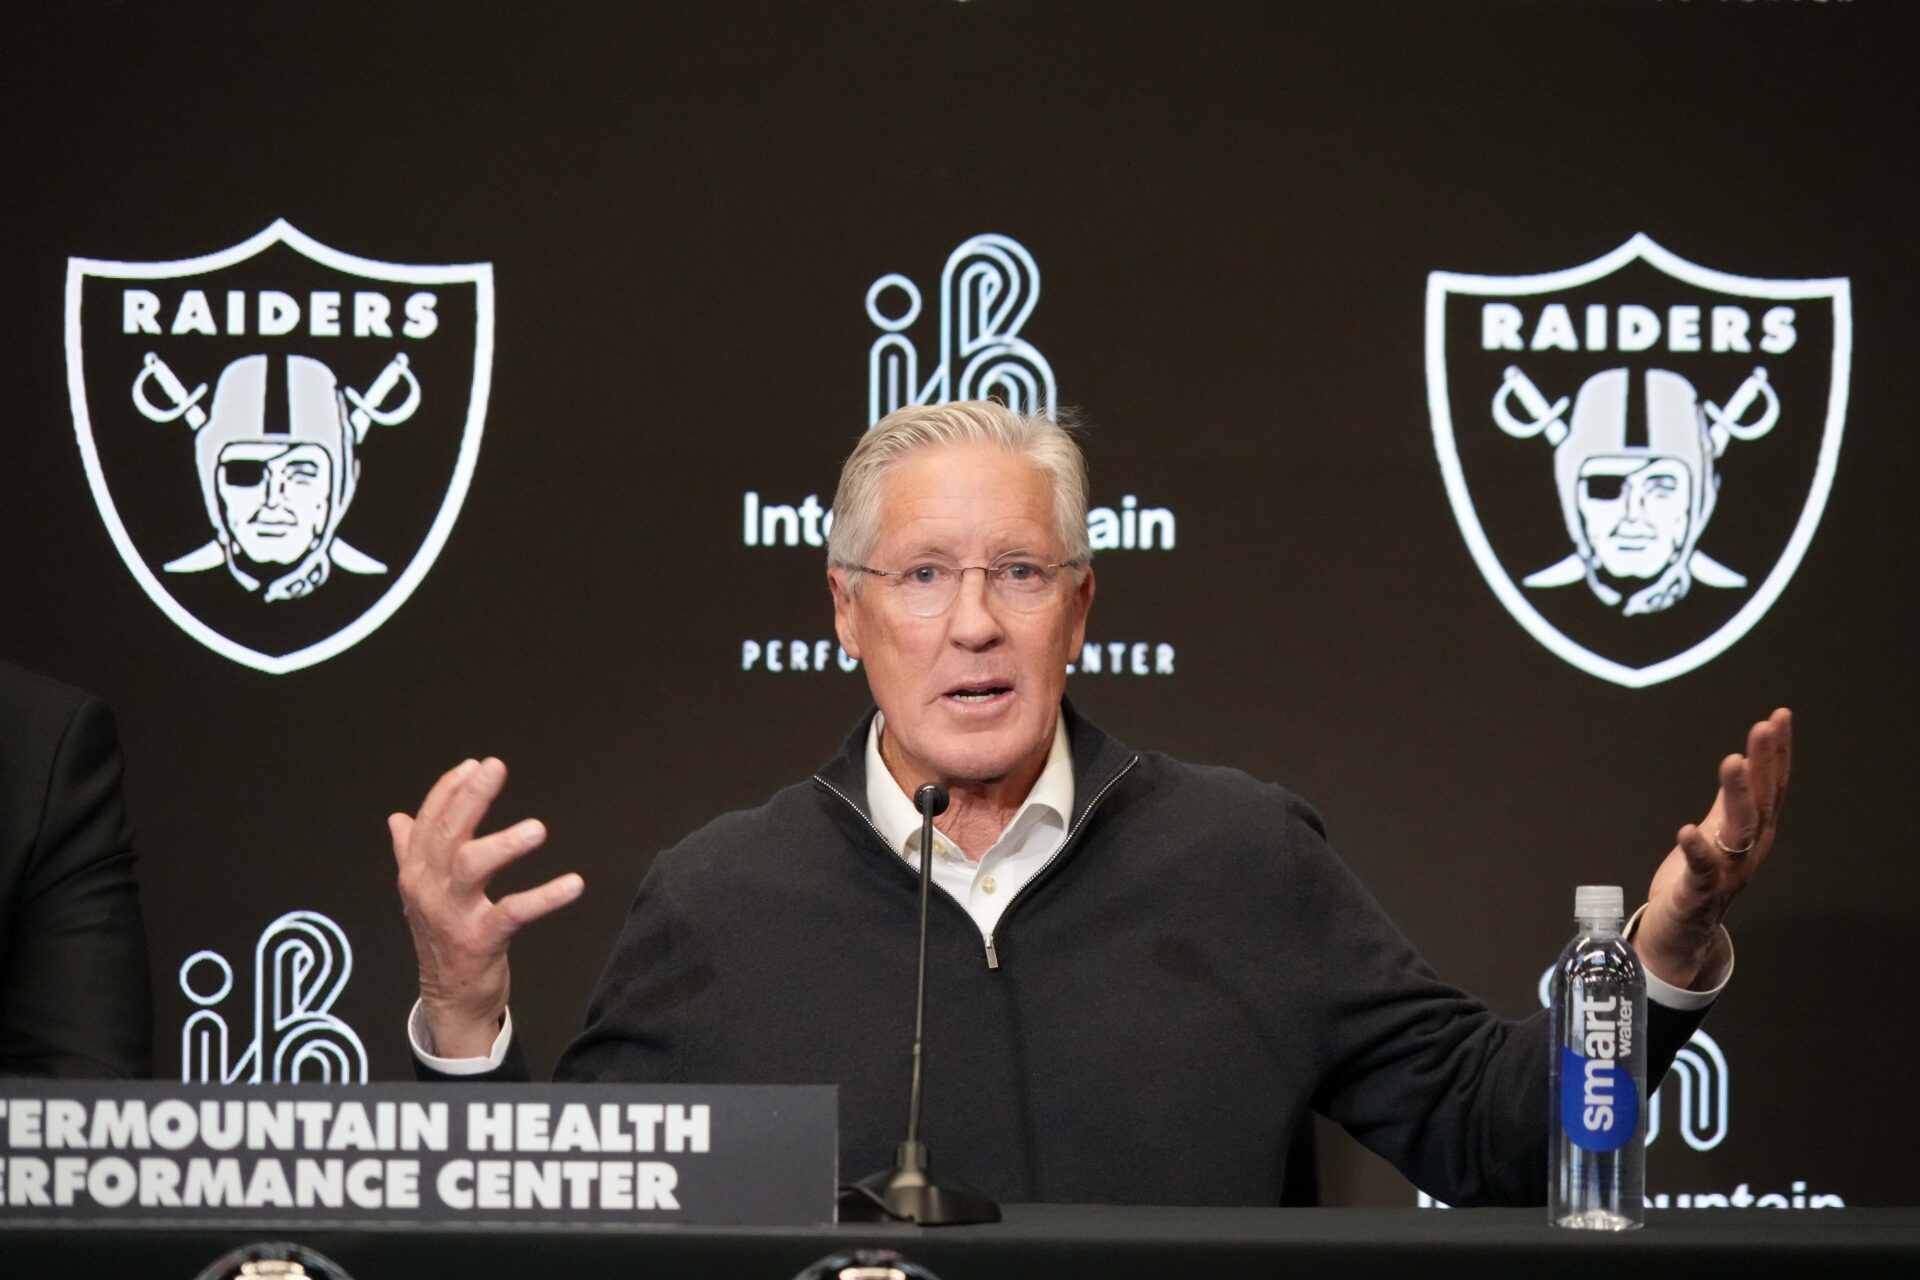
(973, 622)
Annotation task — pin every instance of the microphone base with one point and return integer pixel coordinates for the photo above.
(909, 1192)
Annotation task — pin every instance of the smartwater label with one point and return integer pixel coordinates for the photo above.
(1599, 1105)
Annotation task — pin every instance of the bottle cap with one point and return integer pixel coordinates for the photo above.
(1599, 902)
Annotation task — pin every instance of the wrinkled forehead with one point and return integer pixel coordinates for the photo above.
(966, 500)
(1639, 466)
(272, 451)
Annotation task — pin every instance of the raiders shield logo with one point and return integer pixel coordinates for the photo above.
(1637, 450)
(279, 436)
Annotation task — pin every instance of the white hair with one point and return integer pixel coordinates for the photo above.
(893, 439)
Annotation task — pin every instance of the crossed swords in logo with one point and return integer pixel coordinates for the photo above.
(367, 409)
(1550, 416)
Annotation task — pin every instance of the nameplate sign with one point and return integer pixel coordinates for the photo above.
(444, 1153)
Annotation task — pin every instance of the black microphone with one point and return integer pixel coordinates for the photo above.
(931, 801)
(907, 1191)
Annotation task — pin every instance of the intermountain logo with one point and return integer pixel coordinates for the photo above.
(279, 435)
(1637, 450)
(988, 289)
(301, 964)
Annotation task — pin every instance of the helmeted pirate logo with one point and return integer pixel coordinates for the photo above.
(279, 436)
(1637, 450)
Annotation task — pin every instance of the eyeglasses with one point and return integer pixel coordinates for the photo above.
(928, 590)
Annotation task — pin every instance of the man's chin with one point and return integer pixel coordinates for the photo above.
(972, 744)
(982, 764)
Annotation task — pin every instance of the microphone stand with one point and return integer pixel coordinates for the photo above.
(907, 1191)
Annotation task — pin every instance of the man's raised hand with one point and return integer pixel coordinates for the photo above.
(1699, 879)
(459, 934)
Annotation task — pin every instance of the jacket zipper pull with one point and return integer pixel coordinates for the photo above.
(993, 957)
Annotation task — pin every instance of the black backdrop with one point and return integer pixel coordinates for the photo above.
(1234, 209)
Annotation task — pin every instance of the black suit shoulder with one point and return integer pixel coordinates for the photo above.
(73, 958)
(36, 712)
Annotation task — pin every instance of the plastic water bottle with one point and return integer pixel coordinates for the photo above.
(1599, 1075)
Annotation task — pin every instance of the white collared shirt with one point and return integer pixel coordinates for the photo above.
(985, 887)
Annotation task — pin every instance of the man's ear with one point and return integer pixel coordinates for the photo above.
(845, 610)
(1082, 605)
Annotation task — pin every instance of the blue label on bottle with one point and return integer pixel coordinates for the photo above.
(1599, 1106)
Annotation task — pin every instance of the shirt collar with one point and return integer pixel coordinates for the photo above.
(893, 812)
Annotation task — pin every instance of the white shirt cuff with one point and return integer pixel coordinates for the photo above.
(421, 1038)
(1716, 973)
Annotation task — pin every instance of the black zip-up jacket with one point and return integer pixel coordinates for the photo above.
(1160, 1006)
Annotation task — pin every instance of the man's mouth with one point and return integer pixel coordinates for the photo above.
(977, 693)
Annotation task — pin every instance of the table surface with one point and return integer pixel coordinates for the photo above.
(1049, 1240)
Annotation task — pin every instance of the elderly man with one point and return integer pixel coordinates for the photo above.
(1144, 972)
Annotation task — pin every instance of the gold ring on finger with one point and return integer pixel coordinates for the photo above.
(1734, 855)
